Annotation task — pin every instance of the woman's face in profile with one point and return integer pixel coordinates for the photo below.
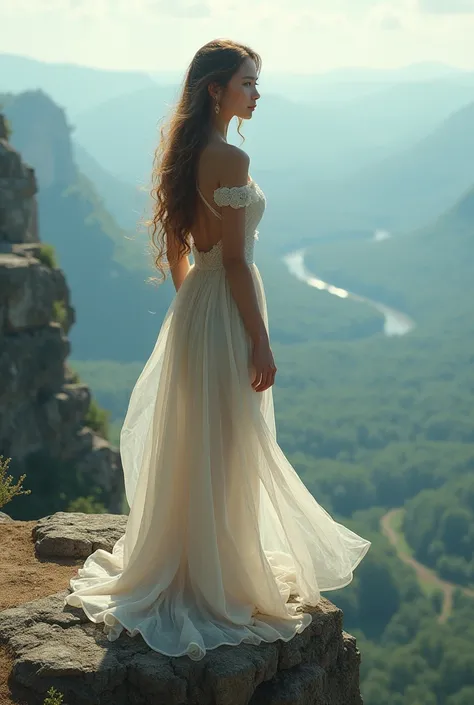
(241, 94)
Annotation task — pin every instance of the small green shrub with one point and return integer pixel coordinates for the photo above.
(98, 419)
(7, 490)
(47, 256)
(87, 505)
(54, 697)
(8, 128)
(60, 313)
(75, 379)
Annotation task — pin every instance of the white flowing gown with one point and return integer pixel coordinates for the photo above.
(221, 529)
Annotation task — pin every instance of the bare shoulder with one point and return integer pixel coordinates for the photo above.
(231, 156)
(233, 165)
(223, 164)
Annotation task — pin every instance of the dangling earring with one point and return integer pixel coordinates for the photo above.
(217, 107)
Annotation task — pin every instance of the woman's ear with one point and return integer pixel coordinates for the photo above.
(213, 89)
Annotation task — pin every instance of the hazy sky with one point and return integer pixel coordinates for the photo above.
(291, 35)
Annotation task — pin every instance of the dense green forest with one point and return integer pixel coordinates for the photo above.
(396, 420)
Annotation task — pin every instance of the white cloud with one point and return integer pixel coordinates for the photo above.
(111, 8)
(178, 8)
(291, 35)
(390, 22)
(387, 16)
(447, 6)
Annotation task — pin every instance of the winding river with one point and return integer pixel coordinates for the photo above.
(395, 322)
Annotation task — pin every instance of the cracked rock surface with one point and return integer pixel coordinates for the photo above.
(77, 535)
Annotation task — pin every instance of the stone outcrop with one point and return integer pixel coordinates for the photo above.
(42, 406)
(77, 535)
(43, 140)
(54, 645)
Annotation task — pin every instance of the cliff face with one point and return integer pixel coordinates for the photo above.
(87, 239)
(43, 140)
(42, 407)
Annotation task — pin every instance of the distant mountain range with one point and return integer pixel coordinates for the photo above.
(327, 141)
(72, 86)
(372, 148)
(328, 126)
(81, 87)
(408, 189)
(401, 191)
(127, 203)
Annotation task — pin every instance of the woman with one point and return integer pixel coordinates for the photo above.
(224, 543)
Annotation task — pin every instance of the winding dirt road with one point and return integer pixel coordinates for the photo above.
(423, 573)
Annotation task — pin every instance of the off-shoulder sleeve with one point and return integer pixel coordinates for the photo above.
(234, 196)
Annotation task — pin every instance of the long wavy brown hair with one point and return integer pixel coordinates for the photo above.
(182, 139)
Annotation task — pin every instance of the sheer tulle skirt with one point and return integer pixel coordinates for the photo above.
(221, 529)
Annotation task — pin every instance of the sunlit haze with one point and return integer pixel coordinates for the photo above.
(302, 36)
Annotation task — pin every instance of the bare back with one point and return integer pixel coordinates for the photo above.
(206, 229)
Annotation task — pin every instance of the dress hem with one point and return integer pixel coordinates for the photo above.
(300, 627)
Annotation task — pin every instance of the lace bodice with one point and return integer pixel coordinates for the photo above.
(250, 197)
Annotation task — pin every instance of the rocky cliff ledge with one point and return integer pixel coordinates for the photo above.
(42, 406)
(52, 645)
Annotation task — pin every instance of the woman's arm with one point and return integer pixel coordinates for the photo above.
(234, 172)
(179, 270)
